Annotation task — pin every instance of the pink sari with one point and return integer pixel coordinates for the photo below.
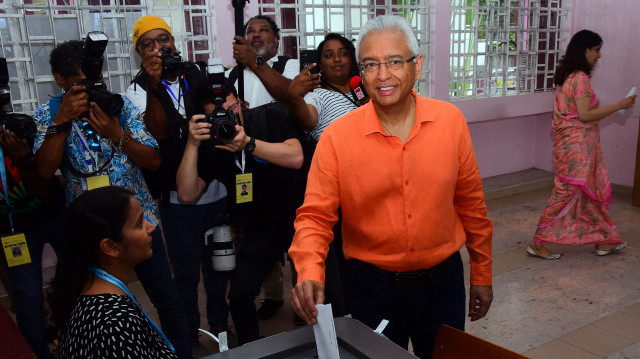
(576, 212)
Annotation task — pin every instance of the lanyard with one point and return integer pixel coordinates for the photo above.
(111, 279)
(3, 174)
(180, 93)
(241, 167)
(88, 154)
(343, 94)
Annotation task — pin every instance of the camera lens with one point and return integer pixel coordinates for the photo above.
(226, 132)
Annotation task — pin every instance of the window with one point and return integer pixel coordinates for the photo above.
(29, 30)
(304, 23)
(501, 47)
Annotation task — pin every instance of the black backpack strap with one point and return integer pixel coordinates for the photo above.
(233, 75)
(280, 64)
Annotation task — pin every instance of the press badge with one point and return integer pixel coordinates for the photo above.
(97, 182)
(16, 250)
(244, 187)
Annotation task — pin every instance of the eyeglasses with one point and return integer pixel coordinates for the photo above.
(395, 64)
(146, 44)
(233, 107)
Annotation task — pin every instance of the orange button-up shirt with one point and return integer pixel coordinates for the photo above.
(404, 206)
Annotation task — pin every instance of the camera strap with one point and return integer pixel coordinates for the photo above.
(5, 192)
(118, 283)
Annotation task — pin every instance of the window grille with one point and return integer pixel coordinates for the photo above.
(501, 47)
(30, 29)
(304, 23)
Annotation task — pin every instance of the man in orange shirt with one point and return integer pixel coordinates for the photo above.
(403, 171)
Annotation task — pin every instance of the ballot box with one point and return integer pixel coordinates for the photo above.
(355, 340)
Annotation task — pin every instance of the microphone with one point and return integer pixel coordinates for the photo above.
(358, 89)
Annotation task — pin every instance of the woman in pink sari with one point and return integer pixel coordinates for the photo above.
(576, 212)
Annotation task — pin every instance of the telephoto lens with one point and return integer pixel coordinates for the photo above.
(219, 239)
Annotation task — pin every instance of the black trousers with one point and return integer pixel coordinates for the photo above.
(415, 305)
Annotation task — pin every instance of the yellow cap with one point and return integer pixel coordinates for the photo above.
(148, 23)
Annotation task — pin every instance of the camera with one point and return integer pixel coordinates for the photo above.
(223, 122)
(91, 65)
(172, 64)
(22, 125)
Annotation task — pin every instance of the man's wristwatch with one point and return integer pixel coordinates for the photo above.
(251, 146)
(259, 61)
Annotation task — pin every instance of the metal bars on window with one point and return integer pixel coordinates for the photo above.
(304, 23)
(30, 29)
(501, 47)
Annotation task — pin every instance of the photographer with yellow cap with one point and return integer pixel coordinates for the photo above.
(178, 91)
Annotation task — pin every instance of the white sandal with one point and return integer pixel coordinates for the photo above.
(619, 247)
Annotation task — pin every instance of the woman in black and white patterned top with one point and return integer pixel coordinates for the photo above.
(107, 236)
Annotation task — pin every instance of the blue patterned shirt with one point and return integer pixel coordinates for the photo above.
(122, 171)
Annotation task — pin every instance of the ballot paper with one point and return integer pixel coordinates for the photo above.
(624, 111)
(325, 333)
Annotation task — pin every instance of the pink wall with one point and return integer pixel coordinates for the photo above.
(616, 72)
(225, 27)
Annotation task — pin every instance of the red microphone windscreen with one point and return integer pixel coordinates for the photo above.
(355, 82)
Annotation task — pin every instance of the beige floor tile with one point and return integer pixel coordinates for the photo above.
(621, 323)
(559, 349)
(596, 340)
(633, 309)
(511, 260)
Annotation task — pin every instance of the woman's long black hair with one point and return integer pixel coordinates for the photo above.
(574, 59)
(351, 49)
(94, 215)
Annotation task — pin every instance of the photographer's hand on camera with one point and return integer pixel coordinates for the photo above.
(151, 64)
(15, 147)
(49, 156)
(109, 126)
(238, 143)
(74, 102)
(154, 116)
(198, 131)
(105, 125)
(189, 185)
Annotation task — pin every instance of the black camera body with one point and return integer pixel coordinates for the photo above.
(172, 64)
(20, 124)
(223, 122)
(91, 65)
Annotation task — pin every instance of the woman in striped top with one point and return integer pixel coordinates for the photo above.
(316, 100)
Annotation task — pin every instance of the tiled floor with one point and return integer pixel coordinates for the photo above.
(581, 306)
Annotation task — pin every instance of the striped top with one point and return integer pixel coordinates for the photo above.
(330, 105)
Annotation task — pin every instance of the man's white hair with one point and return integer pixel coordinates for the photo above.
(389, 22)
